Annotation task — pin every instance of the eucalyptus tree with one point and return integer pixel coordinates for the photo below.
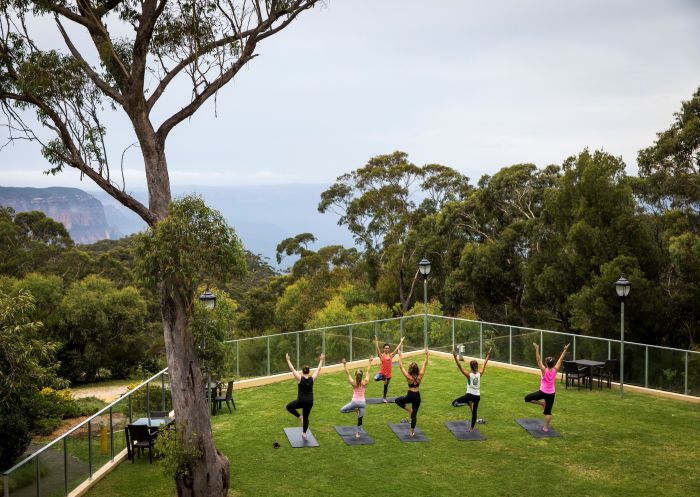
(131, 55)
(381, 204)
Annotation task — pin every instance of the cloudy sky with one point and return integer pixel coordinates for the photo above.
(475, 85)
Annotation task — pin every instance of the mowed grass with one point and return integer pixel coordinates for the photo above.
(639, 445)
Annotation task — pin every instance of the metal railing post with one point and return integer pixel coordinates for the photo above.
(162, 392)
(401, 331)
(65, 465)
(148, 400)
(38, 476)
(297, 350)
(685, 389)
(238, 359)
(609, 349)
(90, 449)
(453, 333)
(481, 340)
(323, 342)
(646, 367)
(268, 356)
(350, 337)
(6, 486)
(111, 436)
(574, 351)
(510, 345)
(131, 411)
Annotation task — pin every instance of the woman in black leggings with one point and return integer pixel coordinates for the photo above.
(305, 393)
(414, 377)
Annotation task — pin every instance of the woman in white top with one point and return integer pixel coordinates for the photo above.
(473, 395)
(358, 402)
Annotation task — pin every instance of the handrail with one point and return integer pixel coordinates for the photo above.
(83, 423)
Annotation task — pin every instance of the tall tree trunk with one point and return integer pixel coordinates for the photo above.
(208, 475)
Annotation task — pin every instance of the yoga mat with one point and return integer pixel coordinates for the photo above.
(460, 430)
(296, 441)
(401, 431)
(379, 400)
(534, 428)
(347, 433)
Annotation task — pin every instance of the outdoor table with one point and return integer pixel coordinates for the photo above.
(589, 365)
(153, 422)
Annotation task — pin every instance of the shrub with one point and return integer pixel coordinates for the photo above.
(15, 438)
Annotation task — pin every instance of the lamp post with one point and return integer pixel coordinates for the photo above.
(208, 300)
(622, 287)
(424, 268)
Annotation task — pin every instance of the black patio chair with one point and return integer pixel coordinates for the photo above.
(139, 438)
(567, 357)
(227, 398)
(573, 373)
(608, 371)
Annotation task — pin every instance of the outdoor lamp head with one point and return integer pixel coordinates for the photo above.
(622, 287)
(424, 266)
(208, 299)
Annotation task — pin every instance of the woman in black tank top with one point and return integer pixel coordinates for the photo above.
(414, 375)
(305, 393)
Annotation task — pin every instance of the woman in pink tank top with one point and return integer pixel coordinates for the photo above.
(358, 402)
(544, 397)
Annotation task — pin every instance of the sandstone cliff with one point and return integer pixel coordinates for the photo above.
(81, 213)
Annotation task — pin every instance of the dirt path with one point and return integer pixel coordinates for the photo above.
(107, 394)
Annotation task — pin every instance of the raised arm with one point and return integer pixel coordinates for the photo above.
(486, 360)
(397, 347)
(318, 369)
(425, 364)
(403, 371)
(538, 359)
(296, 374)
(459, 366)
(561, 357)
(376, 346)
(345, 367)
(369, 367)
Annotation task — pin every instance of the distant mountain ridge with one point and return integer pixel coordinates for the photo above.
(81, 213)
(261, 215)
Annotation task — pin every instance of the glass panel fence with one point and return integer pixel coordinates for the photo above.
(52, 471)
(552, 345)
(522, 351)
(100, 453)
(335, 340)
(311, 344)
(440, 334)
(413, 333)
(388, 332)
(666, 369)
(497, 338)
(363, 341)
(23, 481)
(252, 358)
(589, 348)
(77, 449)
(120, 418)
(634, 363)
(467, 338)
(279, 346)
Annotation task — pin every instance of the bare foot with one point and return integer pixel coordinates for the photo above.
(385, 401)
(357, 435)
(411, 434)
(471, 429)
(303, 435)
(545, 429)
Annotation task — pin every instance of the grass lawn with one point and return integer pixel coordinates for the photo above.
(639, 445)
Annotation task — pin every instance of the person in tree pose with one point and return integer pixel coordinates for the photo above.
(359, 384)
(386, 358)
(414, 375)
(473, 395)
(305, 393)
(544, 397)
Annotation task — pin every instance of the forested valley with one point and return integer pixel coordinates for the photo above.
(529, 245)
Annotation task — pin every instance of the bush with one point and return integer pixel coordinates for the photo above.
(51, 406)
(15, 438)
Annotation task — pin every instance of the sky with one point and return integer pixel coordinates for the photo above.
(474, 85)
